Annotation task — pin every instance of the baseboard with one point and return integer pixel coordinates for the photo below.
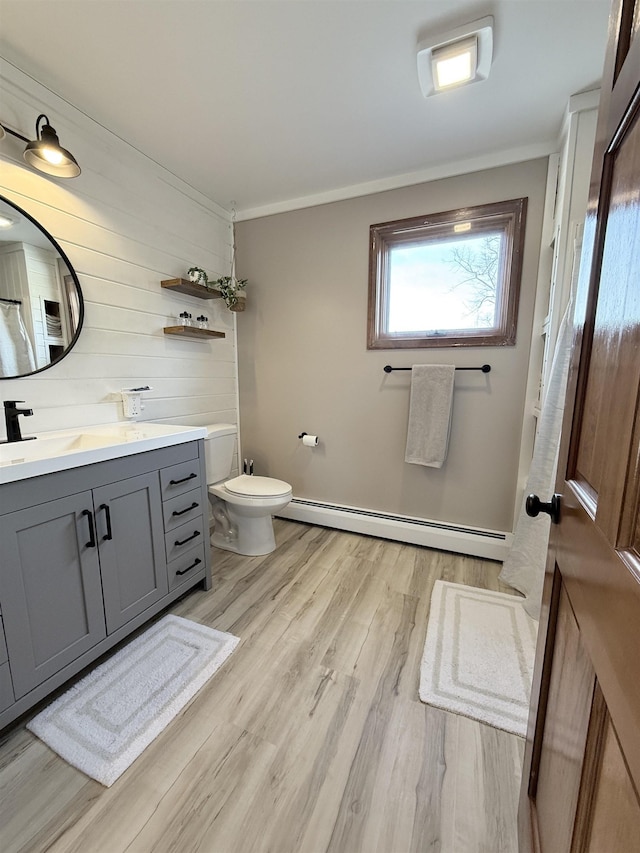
(474, 541)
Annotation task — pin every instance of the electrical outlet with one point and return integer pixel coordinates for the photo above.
(132, 405)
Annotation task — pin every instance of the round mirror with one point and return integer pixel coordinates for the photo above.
(41, 305)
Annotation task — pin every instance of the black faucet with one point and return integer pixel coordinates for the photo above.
(11, 414)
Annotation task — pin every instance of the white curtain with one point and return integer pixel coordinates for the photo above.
(524, 567)
(16, 352)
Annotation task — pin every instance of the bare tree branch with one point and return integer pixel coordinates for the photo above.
(481, 268)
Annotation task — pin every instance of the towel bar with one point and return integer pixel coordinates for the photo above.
(486, 368)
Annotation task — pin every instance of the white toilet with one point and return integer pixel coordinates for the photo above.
(243, 506)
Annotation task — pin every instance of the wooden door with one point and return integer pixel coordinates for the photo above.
(582, 762)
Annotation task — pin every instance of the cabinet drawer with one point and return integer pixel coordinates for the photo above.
(186, 567)
(178, 479)
(184, 538)
(182, 509)
(6, 687)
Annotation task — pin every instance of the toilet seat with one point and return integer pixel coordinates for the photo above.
(257, 487)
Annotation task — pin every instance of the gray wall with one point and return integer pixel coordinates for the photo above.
(304, 365)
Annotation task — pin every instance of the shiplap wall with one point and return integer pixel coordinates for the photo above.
(125, 224)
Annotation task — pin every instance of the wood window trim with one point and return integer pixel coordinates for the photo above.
(509, 216)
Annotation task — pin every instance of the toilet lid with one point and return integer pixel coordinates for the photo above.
(257, 487)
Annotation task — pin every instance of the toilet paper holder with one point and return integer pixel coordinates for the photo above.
(309, 440)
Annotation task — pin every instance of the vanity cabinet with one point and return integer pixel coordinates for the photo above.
(89, 555)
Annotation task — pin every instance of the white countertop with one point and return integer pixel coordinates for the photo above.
(72, 448)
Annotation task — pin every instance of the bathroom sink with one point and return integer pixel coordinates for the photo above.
(60, 450)
(44, 448)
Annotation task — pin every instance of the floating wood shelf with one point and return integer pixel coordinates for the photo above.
(190, 288)
(192, 332)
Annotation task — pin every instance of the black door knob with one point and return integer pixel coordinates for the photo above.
(534, 506)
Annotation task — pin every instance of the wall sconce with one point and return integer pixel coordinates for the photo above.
(456, 58)
(45, 152)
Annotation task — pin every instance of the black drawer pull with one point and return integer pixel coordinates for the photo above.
(188, 539)
(92, 531)
(182, 511)
(183, 480)
(109, 534)
(188, 569)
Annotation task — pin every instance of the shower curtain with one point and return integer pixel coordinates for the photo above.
(524, 567)
(16, 352)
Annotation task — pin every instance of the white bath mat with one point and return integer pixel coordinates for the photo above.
(478, 656)
(103, 723)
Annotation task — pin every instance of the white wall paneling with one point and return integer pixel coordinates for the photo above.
(125, 224)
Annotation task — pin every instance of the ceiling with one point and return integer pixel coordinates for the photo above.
(266, 104)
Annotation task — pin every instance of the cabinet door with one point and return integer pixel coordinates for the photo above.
(131, 543)
(50, 588)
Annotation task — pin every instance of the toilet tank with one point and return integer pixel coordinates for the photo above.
(219, 445)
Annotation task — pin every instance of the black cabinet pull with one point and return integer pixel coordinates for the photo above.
(92, 531)
(183, 480)
(188, 569)
(109, 534)
(188, 539)
(182, 511)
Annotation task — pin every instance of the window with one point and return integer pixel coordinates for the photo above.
(447, 279)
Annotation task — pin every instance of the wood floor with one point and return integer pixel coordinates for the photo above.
(311, 738)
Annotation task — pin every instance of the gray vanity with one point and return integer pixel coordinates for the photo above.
(100, 527)
(99, 532)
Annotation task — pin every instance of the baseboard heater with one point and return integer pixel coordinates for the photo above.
(475, 541)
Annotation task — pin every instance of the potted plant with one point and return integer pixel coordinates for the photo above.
(230, 289)
(197, 275)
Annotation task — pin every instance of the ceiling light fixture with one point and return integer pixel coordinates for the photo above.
(456, 58)
(455, 63)
(45, 152)
(7, 221)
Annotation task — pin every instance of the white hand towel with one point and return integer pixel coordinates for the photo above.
(525, 563)
(16, 353)
(429, 414)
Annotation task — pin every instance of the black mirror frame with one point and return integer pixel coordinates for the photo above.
(74, 276)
